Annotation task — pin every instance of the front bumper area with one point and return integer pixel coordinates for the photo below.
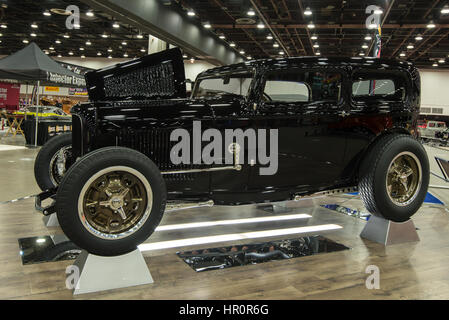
(48, 194)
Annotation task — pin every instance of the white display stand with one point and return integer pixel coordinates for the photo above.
(388, 232)
(106, 273)
(51, 220)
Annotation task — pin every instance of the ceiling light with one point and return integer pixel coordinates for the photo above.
(270, 37)
(242, 52)
(139, 36)
(83, 57)
(90, 13)
(442, 61)
(314, 37)
(281, 53)
(125, 55)
(373, 26)
(184, 56)
(249, 57)
(76, 25)
(88, 43)
(365, 46)
(402, 54)
(316, 45)
(66, 36)
(99, 54)
(362, 54)
(104, 35)
(419, 37)
(222, 37)
(109, 50)
(311, 26)
(431, 25)
(251, 12)
(207, 25)
(33, 35)
(58, 41)
(1, 34)
(110, 57)
(46, 52)
(232, 44)
(116, 25)
(71, 53)
(59, 56)
(191, 13)
(34, 26)
(368, 37)
(143, 50)
(308, 12)
(435, 65)
(51, 48)
(410, 46)
(260, 25)
(276, 45)
(47, 13)
(445, 9)
(25, 41)
(3, 26)
(192, 60)
(318, 53)
(124, 43)
(81, 49)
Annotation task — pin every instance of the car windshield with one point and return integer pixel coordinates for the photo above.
(224, 85)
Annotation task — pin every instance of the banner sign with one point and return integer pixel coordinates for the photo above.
(77, 92)
(9, 95)
(65, 79)
(51, 89)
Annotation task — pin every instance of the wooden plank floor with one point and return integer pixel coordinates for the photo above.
(408, 271)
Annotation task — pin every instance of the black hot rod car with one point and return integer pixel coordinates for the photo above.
(340, 123)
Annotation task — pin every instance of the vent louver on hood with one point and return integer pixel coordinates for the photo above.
(157, 76)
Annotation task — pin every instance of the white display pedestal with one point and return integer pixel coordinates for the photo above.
(388, 233)
(51, 220)
(106, 273)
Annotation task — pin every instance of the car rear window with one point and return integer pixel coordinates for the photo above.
(371, 85)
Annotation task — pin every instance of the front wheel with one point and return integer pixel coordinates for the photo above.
(394, 177)
(111, 201)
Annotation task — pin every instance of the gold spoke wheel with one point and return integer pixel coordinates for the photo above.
(404, 179)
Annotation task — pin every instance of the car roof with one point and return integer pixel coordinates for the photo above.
(354, 62)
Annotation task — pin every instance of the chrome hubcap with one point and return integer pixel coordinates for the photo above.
(404, 179)
(58, 164)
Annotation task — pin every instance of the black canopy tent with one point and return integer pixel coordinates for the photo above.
(31, 64)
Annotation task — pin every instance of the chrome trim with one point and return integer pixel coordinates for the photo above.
(170, 207)
(236, 168)
(327, 193)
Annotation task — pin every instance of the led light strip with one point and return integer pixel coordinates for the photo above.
(230, 222)
(235, 237)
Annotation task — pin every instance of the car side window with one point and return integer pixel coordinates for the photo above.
(290, 86)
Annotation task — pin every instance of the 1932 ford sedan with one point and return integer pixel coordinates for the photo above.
(341, 123)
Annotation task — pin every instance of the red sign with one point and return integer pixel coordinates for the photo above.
(9, 96)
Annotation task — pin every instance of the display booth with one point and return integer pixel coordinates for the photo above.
(32, 66)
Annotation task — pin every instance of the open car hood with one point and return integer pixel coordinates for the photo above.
(157, 76)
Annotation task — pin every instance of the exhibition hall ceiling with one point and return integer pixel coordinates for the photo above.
(417, 30)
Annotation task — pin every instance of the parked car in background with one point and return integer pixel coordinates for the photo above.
(431, 129)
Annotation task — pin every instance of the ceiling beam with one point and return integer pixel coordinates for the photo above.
(328, 26)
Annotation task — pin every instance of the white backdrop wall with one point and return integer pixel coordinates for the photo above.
(435, 92)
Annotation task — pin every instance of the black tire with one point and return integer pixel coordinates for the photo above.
(42, 170)
(373, 177)
(70, 191)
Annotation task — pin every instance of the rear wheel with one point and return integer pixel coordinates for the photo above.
(111, 201)
(53, 161)
(394, 177)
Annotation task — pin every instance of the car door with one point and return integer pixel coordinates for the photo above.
(307, 108)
